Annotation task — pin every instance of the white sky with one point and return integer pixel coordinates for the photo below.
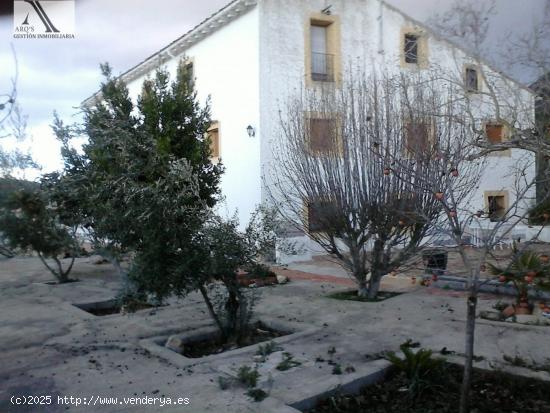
(58, 74)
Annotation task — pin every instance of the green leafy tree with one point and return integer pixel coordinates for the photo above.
(30, 221)
(132, 150)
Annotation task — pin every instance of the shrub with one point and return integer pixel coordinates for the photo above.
(287, 363)
(540, 213)
(525, 269)
(419, 367)
(32, 222)
(248, 376)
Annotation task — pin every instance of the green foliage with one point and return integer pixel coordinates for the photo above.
(144, 181)
(525, 269)
(288, 362)
(248, 376)
(540, 213)
(8, 187)
(31, 221)
(144, 164)
(257, 394)
(224, 383)
(337, 369)
(419, 367)
(268, 348)
(259, 270)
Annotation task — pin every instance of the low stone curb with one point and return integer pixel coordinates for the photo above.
(307, 396)
(488, 286)
(155, 345)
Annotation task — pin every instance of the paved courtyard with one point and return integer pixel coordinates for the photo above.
(50, 347)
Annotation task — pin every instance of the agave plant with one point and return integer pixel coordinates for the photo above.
(524, 270)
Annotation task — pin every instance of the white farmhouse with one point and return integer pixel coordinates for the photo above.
(251, 55)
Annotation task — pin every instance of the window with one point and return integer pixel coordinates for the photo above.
(417, 137)
(321, 60)
(411, 48)
(494, 132)
(319, 215)
(323, 135)
(471, 80)
(497, 207)
(322, 49)
(214, 135)
(191, 73)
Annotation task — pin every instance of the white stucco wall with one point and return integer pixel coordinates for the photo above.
(253, 65)
(370, 38)
(226, 66)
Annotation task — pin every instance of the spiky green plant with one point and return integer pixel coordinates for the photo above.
(419, 367)
(525, 269)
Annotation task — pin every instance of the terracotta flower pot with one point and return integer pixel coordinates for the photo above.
(521, 310)
(435, 277)
(439, 196)
(502, 279)
(387, 171)
(509, 311)
(531, 274)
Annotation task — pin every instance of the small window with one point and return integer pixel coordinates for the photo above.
(322, 136)
(494, 132)
(191, 73)
(497, 207)
(471, 80)
(319, 215)
(411, 48)
(417, 137)
(214, 135)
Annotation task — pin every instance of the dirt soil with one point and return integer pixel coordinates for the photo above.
(491, 392)
(257, 334)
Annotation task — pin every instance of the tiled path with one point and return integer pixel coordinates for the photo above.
(400, 284)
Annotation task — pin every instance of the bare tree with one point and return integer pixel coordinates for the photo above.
(466, 227)
(349, 164)
(467, 23)
(8, 98)
(511, 106)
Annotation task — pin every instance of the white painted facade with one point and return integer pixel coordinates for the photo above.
(250, 59)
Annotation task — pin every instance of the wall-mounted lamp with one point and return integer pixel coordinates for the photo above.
(251, 131)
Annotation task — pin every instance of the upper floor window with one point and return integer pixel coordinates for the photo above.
(495, 132)
(322, 62)
(414, 48)
(190, 68)
(471, 80)
(411, 48)
(214, 136)
(322, 49)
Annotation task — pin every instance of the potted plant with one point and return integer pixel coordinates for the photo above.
(525, 270)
